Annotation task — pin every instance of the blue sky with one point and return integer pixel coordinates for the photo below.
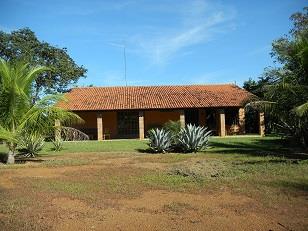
(167, 42)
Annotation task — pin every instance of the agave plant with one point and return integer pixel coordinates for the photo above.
(193, 138)
(31, 144)
(57, 144)
(160, 140)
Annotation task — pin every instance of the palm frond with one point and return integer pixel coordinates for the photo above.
(301, 110)
(7, 135)
(41, 116)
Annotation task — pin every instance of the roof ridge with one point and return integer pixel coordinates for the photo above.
(135, 86)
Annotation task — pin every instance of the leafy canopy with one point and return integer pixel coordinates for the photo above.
(284, 89)
(23, 45)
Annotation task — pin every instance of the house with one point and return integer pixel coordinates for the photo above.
(130, 111)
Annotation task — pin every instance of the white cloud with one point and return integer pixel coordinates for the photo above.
(6, 29)
(199, 23)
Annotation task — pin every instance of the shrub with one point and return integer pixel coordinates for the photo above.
(160, 140)
(58, 144)
(193, 138)
(174, 127)
(31, 144)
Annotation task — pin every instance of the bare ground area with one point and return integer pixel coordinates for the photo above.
(130, 191)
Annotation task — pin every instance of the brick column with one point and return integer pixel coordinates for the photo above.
(182, 118)
(141, 125)
(57, 129)
(222, 123)
(202, 117)
(241, 120)
(261, 124)
(99, 126)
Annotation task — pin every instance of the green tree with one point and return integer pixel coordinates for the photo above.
(284, 90)
(23, 45)
(18, 116)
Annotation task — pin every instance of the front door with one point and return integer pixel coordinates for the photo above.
(128, 125)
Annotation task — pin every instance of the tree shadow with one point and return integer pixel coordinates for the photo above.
(258, 147)
(272, 161)
(3, 157)
(145, 150)
(296, 186)
(20, 159)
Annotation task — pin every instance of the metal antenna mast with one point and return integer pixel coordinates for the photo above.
(124, 56)
(122, 45)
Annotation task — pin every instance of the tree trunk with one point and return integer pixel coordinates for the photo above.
(10, 158)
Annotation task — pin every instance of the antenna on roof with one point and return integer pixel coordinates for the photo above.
(124, 55)
(122, 45)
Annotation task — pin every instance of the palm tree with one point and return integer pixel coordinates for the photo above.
(18, 116)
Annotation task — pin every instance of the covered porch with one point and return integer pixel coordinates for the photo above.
(132, 124)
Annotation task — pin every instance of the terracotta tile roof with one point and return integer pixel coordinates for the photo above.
(155, 97)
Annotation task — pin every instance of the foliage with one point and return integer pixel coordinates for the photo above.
(160, 140)
(193, 138)
(17, 113)
(174, 127)
(57, 144)
(24, 45)
(283, 91)
(31, 144)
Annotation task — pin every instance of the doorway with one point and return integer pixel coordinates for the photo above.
(192, 116)
(128, 124)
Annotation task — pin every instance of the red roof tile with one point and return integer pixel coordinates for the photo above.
(155, 97)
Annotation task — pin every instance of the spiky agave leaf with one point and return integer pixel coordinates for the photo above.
(160, 140)
(31, 144)
(193, 138)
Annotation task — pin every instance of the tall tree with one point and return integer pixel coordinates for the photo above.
(284, 89)
(18, 116)
(24, 45)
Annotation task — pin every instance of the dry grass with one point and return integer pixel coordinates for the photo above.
(168, 191)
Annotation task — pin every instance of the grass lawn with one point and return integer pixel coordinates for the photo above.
(239, 183)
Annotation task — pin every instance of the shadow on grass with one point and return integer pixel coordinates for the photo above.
(20, 159)
(266, 161)
(3, 157)
(257, 147)
(146, 150)
(297, 186)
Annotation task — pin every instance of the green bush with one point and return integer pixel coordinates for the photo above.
(31, 144)
(193, 138)
(160, 140)
(174, 127)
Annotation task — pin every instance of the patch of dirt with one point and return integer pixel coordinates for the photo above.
(151, 166)
(6, 183)
(215, 212)
(153, 210)
(71, 205)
